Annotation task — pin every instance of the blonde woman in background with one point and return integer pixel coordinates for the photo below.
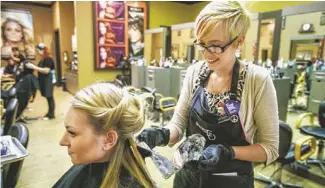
(16, 34)
(227, 101)
(100, 125)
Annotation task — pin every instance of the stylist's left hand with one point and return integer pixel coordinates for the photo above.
(214, 154)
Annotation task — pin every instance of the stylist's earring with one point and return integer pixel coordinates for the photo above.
(105, 148)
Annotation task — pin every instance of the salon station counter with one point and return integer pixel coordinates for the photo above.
(72, 82)
(282, 87)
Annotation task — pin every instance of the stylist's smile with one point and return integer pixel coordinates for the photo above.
(212, 61)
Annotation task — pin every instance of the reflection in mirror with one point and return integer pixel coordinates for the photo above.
(266, 39)
(304, 49)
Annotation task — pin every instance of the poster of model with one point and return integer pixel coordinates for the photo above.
(17, 31)
(111, 33)
(111, 10)
(136, 32)
(109, 57)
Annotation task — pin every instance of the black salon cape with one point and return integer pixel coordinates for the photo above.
(91, 176)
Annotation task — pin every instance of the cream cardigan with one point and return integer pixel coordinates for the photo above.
(258, 110)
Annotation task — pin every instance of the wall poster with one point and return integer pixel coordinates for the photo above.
(17, 31)
(136, 32)
(119, 31)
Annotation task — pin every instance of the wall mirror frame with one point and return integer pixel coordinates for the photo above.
(263, 18)
(310, 46)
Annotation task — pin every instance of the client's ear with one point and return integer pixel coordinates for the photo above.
(110, 140)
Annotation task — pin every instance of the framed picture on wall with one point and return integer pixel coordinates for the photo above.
(17, 27)
(118, 32)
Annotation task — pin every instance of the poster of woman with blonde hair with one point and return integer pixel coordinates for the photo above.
(17, 31)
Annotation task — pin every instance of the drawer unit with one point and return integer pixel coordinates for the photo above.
(282, 87)
(138, 76)
(288, 72)
(159, 78)
(318, 76)
(182, 77)
(72, 82)
(317, 91)
(175, 84)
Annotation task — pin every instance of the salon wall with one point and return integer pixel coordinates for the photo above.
(168, 13)
(85, 40)
(252, 6)
(292, 26)
(42, 23)
(267, 6)
(63, 20)
(195, 9)
(251, 37)
(56, 15)
(67, 25)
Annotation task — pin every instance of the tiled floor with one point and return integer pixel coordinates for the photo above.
(47, 160)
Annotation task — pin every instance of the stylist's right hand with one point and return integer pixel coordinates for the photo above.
(154, 136)
(215, 154)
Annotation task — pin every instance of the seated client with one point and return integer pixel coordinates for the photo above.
(100, 126)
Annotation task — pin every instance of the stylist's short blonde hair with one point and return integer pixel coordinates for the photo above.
(230, 13)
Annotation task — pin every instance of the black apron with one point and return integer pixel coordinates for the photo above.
(45, 81)
(217, 130)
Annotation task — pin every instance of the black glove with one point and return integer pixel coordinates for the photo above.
(144, 152)
(154, 136)
(214, 154)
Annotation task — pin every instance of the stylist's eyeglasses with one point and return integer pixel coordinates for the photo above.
(214, 48)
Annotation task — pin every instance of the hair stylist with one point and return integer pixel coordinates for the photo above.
(45, 77)
(225, 100)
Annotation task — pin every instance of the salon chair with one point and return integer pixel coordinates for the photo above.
(7, 95)
(288, 153)
(317, 131)
(10, 116)
(161, 104)
(11, 172)
(7, 83)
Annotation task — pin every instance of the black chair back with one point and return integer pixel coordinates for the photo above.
(10, 115)
(285, 139)
(12, 172)
(12, 93)
(7, 95)
(20, 131)
(321, 114)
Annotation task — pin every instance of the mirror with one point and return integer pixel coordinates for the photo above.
(266, 39)
(304, 49)
(175, 51)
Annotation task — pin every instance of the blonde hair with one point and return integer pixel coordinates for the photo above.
(230, 13)
(108, 107)
(26, 44)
